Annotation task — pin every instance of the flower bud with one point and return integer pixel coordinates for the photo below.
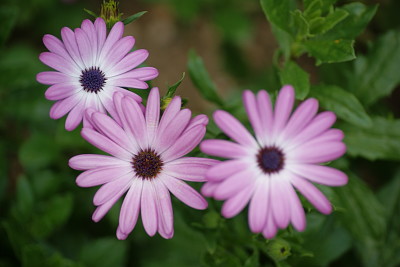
(110, 13)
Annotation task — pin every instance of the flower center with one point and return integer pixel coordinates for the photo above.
(147, 164)
(92, 80)
(270, 159)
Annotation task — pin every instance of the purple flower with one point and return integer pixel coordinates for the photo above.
(146, 162)
(90, 66)
(285, 154)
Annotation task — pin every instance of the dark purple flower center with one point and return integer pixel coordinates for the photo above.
(92, 80)
(270, 159)
(147, 164)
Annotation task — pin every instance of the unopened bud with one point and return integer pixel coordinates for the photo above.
(110, 12)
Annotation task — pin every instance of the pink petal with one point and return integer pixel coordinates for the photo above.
(130, 61)
(208, 189)
(184, 193)
(236, 204)
(105, 144)
(107, 102)
(317, 152)
(266, 115)
(127, 82)
(223, 149)
(234, 184)
(113, 131)
(224, 169)
(120, 234)
(148, 208)
(189, 169)
(102, 175)
(62, 90)
(113, 37)
(164, 206)
(141, 74)
(85, 48)
(168, 136)
(119, 51)
(152, 113)
(59, 63)
(62, 107)
(250, 103)
(312, 194)
(53, 77)
(185, 143)
(101, 31)
(198, 120)
(279, 202)
(283, 108)
(91, 161)
(170, 113)
(54, 45)
(130, 207)
(69, 40)
(320, 174)
(103, 209)
(259, 206)
(135, 119)
(233, 128)
(75, 116)
(88, 27)
(297, 215)
(270, 229)
(110, 189)
(301, 117)
(128, 93)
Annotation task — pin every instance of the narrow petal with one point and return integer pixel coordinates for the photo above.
(264, 106)
(131, 207)
(234, 184)
(279, 202)
(108, 190)
(170, 113)
(113, 37)
(105, 144)
(164, 207)
(61, 64)
(128, 93)
(88, 27)
(127, 82)
(312, 194)
(189, 169)
(184, 193)
(101, 31)
(259, 206)
(119, 51)
(62, 107)
(250, 103)
(320, 174)
(283, 108)
(69, 40)
(136, 121)
(120, 234)
(102, 175)
(75, 116)
(152, 113)
(60, 91)
(85, 48)
(148, 208)
(101, 210)
(270, 229)
(236, 204)
(53, 77)
(223, 149)
(208, 189)
(297, 215)
(233, 128)
(130, 61)
(317, 153)
(198, 120)
(224, 169)
(54, 45)
(141, 74)
(184, 144)
(91, 161)
(331, 135)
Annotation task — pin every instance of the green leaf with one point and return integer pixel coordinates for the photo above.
(329, 21)
(381, 141)
(354, 24)
(91, 13)
(377, 74)
(344, 104)
(51, 215)
(364, 218)
(25, 198)
(294, 75)
(8, 18)
(278, 12)
(104, 252)
(202, 80)
(134, 17)
(330, 51)
(172, 89)
(300, 24)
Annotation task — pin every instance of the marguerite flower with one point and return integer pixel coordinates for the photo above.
(285, 155)
(146, 162)
(90, 66)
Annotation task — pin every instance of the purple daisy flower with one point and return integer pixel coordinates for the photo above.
(90, 66)
(285, 154)
(146, 162)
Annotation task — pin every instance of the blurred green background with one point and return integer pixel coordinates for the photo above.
(45, 219)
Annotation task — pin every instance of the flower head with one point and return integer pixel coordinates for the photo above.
(146, 161)
(90, 66)
(285, 155)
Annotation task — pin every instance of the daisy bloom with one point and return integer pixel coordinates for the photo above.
(146, 162)
(285, 155)
(90, 66)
